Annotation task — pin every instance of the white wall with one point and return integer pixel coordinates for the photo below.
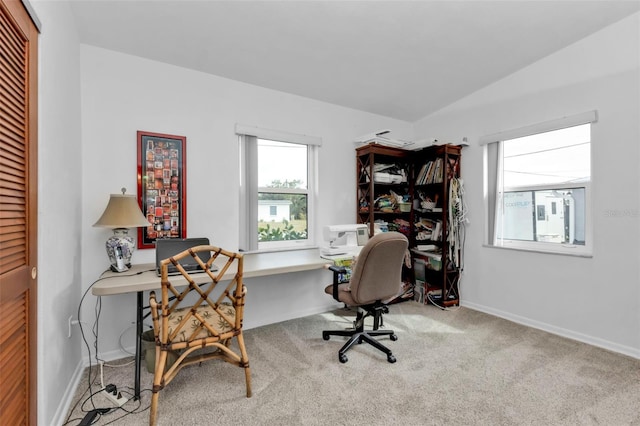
(122, 94)
(596, 299)
(59, 208)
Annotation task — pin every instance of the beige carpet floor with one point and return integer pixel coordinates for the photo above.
(457, 367)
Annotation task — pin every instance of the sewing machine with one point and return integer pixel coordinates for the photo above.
(344, 239)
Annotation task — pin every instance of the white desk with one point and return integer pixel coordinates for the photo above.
(141, 278)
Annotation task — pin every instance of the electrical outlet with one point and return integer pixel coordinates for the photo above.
(117, 399)
(71, 322)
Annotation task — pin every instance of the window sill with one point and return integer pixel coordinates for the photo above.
(280, 250)
(562, 252)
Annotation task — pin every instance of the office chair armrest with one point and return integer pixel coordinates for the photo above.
(337, 270)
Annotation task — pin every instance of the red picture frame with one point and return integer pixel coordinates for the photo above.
(162, 186)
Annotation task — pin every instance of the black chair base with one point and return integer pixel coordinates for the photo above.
(358, 334)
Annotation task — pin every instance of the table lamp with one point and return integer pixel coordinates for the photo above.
(121, 213)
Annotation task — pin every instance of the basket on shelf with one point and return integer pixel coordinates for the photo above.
(428, 205)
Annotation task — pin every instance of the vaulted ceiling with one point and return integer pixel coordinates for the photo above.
(400, 59)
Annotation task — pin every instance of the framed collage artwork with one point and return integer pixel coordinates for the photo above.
(162, 187)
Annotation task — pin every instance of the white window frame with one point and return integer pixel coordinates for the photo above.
(248, 137)
(493, 190)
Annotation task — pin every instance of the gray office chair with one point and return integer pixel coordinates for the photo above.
(375, 280)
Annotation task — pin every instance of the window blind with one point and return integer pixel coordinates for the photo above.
(547, 126)
(277, 135)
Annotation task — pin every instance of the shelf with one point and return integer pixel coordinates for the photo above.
(427, 185)
(428, 212)
(381, 150)
(385, 184)
(378, 212)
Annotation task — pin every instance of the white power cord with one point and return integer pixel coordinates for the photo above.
(101, 374)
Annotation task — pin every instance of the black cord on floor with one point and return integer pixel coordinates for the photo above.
(91, 380)
(103, 412)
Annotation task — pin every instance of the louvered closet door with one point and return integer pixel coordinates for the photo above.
(18, 220)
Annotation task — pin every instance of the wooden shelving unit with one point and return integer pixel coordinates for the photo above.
(440, 283)
(373, 187)
(411, 178)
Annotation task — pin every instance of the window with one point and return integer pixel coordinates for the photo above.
(542, 189)
(277, 190)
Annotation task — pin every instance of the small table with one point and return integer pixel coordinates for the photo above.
(142, 277)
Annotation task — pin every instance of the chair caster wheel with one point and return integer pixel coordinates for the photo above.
(391, 358)
(343, 358)
(393, 337)
(325, 336)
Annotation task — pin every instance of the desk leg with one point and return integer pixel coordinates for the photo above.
(138, 358)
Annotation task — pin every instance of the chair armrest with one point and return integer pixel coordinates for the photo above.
(337, 270)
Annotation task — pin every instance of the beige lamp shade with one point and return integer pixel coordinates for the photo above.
(122, 212)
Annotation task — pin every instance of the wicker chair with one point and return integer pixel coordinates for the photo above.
(202, 330)
(375, 280)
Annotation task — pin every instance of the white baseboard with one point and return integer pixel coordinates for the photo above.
(590, 340)
(61, 413)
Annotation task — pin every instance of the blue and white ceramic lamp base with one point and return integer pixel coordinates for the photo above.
(120, 247)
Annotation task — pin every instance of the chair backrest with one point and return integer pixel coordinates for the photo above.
(224, 302)
(377, 274)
